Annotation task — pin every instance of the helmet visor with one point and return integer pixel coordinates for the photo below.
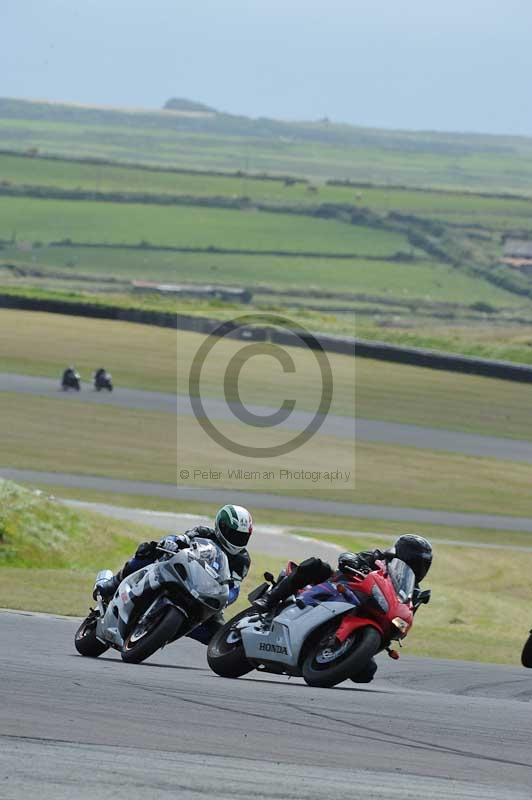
(234, 537)
(420, 565)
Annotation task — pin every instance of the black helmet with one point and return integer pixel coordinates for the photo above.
(416, 552)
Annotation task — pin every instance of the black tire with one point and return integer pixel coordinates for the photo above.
(225, 658)
(164, 629)
(357, 651)
(85, 640)
(526, 655)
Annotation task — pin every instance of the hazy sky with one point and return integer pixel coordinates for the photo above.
(463, 65)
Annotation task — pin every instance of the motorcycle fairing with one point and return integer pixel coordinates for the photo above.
(282, 640)
(396, 593)
(330, 591)
(184, 569)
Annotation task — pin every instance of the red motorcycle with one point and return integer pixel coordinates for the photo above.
(328, 633)
(387, 599)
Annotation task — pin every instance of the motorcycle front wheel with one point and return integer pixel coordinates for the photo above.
(85, 640)
(148, 637)
(329, 662)
(225, 653)
(526, 655)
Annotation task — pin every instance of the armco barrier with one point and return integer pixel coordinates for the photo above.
(351, 346)
(451, 362)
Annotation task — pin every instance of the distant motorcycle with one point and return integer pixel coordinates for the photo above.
(71, 380)
(327, 633)
(103, 380)
(158, 603)
(526, 655)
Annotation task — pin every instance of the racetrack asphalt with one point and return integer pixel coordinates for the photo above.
(256, 500)
(364, 430)
(72, 727)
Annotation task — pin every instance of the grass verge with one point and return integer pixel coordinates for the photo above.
(49, 554)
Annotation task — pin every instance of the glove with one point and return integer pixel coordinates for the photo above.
(347, 562)
(146, 550)
(234, 591)
(200, 530)
(175, 542)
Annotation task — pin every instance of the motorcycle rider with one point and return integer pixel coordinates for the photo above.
(70, 374)
(233, 526)
(416, 551)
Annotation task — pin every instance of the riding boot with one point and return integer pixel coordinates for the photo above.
(280, 592)
(107, 588)
(366, 674)
(311, 571)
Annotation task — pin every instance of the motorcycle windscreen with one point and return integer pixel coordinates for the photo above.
(210, 568)
(403, 579)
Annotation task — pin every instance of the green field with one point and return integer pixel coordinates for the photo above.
(183, 226)
(420, 280)
(394, 257)
(463, 208)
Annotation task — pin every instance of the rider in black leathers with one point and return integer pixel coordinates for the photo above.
(232, 530)
(413, 550)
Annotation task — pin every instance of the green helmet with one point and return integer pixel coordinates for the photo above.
(233, 527)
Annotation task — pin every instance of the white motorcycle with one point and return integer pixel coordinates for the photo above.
(158, 603)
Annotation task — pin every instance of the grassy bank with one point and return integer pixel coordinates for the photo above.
(49, 554)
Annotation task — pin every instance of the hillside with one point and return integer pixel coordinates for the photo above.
(319, 149)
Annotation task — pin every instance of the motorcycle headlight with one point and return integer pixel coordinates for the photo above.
(401, 625)
(379, 599)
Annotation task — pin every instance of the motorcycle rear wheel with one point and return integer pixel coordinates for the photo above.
(85, 640)
(526, 655)
(141, 644)
(326, 664)
(225, 653)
